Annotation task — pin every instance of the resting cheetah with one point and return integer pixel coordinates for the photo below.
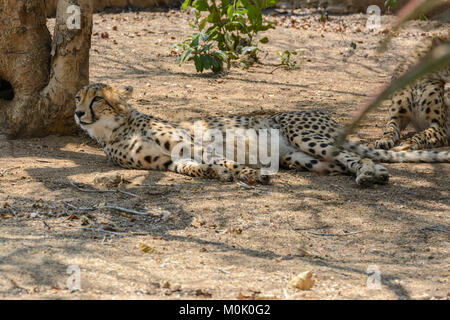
(306, 139)
(422, 104)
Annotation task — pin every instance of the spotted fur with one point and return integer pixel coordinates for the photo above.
(306, 141)
(423, 104)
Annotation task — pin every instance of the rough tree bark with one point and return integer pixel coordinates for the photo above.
(39, 76)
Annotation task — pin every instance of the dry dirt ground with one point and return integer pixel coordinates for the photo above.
(214, 240)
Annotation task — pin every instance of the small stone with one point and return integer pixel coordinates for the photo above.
(303, 281)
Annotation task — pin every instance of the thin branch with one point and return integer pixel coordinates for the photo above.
(435, 229)
(125, 210)
(334, 234)
(247, 186)
(2, 173)
(244, 185)
(103, 191)
(129, 193)
(271, 72)
(103, 231)
(46, 224)
(108, 207)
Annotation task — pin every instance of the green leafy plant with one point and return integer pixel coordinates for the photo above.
(287, 58)
(225, 31)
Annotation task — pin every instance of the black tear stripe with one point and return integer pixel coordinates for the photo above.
(94, 117)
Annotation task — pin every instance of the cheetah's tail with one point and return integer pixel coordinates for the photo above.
(397, 156)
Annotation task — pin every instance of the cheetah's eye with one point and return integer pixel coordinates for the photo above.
(97, 98)
(77, 99)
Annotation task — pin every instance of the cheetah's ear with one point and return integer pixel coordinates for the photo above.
(126, 92)
(116, 99)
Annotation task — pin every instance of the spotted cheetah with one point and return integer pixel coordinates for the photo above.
(305, 141)
(423, 104)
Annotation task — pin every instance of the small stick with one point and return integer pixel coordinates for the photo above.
(128, 193)
(45, 224)
(102, 230)
(108, 207)
(244, 185)
(334, 234)
(125, 210)
(247, 186)
(104, 191)
(435, 229)
(271, 72)
(6, 170)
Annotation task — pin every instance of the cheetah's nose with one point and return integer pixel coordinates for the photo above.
(79, 113)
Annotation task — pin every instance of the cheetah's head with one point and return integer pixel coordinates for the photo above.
(100, 108)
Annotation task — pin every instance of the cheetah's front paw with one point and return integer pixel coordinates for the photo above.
(385, 143)
(225, 175)
(253, 177)
(365, 175)
(381, 174)
(220, 173)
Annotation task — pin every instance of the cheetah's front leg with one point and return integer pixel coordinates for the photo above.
(399, 118)
(433, 110)
(432, 137)
(194, 169)
(243, 173)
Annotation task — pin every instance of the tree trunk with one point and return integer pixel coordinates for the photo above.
(39, 76)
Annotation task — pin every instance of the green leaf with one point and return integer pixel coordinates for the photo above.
(249, 49)
(221, 54)
(264, 40)
(229, 40)
(185, 4)
(206, 47)
(230, 12)
(217, 65)
(195, 37)
(198, 64)
(269, 3)
(205, 60)
(201, 5)
(185, 56)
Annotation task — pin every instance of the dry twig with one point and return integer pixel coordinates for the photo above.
(103, 191)
(435, 229)
(108, 207)
(103, 231)
(333, 234)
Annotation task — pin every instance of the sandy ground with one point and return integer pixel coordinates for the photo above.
(206, 239)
